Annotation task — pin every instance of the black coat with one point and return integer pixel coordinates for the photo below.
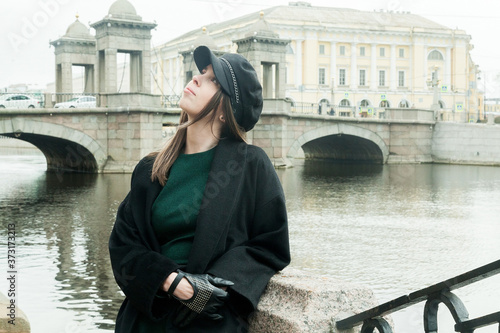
(241, 235)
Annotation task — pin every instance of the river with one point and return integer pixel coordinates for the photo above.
(391, 228)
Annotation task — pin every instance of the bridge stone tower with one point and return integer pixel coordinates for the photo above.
(264, 49)
(75, 48)
(188, 61)
(123, 31)
(266, 52)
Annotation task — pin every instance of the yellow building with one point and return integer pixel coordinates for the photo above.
(354, 62)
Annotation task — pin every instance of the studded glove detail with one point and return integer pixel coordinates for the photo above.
(208, 297)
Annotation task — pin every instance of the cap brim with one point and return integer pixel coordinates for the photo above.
(203, 57)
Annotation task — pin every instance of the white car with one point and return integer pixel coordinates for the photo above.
(19, 101)
(78, 102)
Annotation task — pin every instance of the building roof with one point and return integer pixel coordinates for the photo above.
(123, 9)
(78, 30)
(303, 14)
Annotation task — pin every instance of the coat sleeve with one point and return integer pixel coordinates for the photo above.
(266, 251)
(138, 269)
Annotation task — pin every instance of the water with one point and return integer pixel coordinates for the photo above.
(393, 228)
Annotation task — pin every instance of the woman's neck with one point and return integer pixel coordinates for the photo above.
(201, 137)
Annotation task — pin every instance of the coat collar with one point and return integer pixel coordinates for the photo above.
(221, 192)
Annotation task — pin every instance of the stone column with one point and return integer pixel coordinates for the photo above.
(298, 62)
(374, 80)
(89, 79)
(145, 77)
(267, 80)
(394, 77)
(333, 64)
(66, 77)
(354, 67)
(110, 67)
(136, 72)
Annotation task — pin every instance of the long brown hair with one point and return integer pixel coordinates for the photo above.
(165, 158)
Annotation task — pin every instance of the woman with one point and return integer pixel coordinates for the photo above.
(204, 226)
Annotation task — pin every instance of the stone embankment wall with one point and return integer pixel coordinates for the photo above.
(298, 302)
(466, 143)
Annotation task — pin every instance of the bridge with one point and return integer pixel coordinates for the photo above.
(113, 139)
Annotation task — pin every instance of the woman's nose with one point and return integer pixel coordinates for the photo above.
(196, 80)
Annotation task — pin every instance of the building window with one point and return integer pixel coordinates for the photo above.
(364, 103)
(322, 76)
(401, 78)
(362, 51)
(341, 77)
(404, 104)
(381, 78)
(362, 77)
(345, 102)
(401, 53)
(384, 104)
(435, 55)
(342, 50)
(382, 51)
(322, 49)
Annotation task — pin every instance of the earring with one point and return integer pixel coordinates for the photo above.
(221, 118)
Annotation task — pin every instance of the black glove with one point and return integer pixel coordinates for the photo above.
(206, 300)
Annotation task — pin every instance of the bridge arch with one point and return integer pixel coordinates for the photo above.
(65, 148)
(342, 142)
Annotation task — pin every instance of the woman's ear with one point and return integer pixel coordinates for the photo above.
(221, 118)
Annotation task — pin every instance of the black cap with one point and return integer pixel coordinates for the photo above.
(239, 80)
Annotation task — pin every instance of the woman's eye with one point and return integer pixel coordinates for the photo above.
(214, 80)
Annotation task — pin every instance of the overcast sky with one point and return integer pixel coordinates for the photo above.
(27, 26)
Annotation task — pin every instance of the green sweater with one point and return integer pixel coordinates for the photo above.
(176, 209)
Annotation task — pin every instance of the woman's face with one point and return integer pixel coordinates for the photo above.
(199, 91)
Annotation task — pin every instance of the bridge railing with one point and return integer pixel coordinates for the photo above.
(433, 296)
(170, 101)
(337, 110)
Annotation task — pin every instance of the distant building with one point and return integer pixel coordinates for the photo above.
(345, 57)
(492, 105)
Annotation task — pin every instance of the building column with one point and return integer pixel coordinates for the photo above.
(354, 66)
(333, 64)
(374, 81)
(425, 68)
(411, 72)
(447, 69)
(178, 87)
(170, 77)
(298, 62)
(394, 77)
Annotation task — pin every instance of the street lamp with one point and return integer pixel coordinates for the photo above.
(434, 84)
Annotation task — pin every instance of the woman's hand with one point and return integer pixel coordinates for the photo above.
(183, 291)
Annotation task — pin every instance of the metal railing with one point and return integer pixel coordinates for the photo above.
(339, 111)
(433, 295)
(170, 101)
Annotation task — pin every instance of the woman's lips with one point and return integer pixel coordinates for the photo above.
(188, 90)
